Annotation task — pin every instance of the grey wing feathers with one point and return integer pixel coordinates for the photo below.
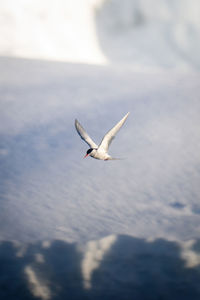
(83, 134)
(107, 139)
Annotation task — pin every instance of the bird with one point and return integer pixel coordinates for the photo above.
(100, 151)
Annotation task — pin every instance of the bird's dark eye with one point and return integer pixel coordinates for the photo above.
(89, 151)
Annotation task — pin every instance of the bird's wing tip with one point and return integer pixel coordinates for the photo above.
(76, 122)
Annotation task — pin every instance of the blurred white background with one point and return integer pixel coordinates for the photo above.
(82, 229)
(139, 33)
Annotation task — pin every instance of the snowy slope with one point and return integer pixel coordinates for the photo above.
(142, 34)
(150, 34)
(47, 29)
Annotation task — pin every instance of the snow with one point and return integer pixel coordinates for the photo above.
(61, 30)
(104, 32)
(74, 228)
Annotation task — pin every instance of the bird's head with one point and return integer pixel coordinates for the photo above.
(88, 153)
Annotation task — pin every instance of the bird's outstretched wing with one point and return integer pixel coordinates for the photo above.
(109, 136)
(83, 134)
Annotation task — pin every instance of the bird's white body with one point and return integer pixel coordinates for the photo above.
(101, 151)
(100, 154)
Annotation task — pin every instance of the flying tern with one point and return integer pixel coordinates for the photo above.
(100, 151)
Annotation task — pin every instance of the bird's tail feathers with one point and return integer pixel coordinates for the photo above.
(115, 158)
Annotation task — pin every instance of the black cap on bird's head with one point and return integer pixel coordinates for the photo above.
(88, 152)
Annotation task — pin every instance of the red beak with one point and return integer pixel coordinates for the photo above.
(85, 155)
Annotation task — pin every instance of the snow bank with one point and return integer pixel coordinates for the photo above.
(142, 34)
(150, 34)
(51, 30)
